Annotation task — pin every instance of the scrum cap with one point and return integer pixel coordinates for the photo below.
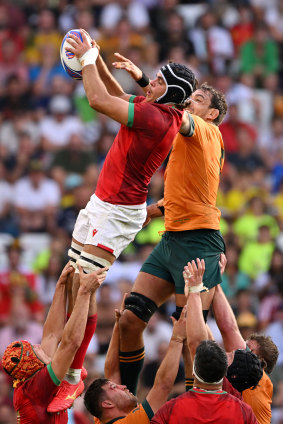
(20, 361)
(245, 370)
(180, 83)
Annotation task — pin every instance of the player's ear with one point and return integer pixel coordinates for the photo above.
(107, 404)
(213, 113)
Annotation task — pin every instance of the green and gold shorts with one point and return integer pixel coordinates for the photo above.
(176, 248)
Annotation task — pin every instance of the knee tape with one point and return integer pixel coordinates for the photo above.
(74, 253)
(91, 263)
(141, 306)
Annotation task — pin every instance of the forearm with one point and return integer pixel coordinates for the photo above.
(226, 321)
(167, 372)
(112, 364)
(195, 333)
(111, 84)
(94, 88)
(56, 317)
(156, 210)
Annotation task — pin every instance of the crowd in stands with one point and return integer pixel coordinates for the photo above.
(52, 147)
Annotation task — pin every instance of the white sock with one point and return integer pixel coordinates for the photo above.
(73, 376)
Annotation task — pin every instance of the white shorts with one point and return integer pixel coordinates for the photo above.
(111, 227)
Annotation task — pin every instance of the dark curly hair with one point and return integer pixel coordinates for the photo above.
(210, 361)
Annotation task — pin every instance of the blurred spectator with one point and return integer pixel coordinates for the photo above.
(36, 199)
(149, 371)
(244, 28)
(265, 282)
(246, 227)
(20, 327)
(259, 59)
(7, 219)
(245, 157)
(133, 11)
(233, 279)
(275, 331)
(256, 256)
(247, 324)
(212, 44)
(17, 284)
(156, 332)
(46, 34)
(56, 129)
(230, 127)
(73, 159)
(78, 196)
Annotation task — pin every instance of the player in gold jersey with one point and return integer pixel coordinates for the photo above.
(191, 222)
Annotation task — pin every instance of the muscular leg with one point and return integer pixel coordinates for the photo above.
(131, 328)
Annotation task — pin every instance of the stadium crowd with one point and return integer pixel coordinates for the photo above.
(52, 147)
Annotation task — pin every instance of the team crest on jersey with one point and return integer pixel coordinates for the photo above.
(94, 232)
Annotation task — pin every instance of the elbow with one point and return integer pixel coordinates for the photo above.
(94, 102)
(71, 343)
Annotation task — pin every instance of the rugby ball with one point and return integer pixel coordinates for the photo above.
(69, 61)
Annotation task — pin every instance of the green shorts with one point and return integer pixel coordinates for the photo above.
(175, 249)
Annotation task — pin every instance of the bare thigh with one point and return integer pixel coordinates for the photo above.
(155, 288)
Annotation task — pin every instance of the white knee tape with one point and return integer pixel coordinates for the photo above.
(74, 253)
(91, 263)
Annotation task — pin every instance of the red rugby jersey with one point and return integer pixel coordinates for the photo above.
(32, 398)
(199, 406)
(137, 152)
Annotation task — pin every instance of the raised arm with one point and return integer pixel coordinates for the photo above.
(96, 92)
(56, 318)
(168, 369)
(226, 322)
(196, 327)
(112, 363)
(75, 328)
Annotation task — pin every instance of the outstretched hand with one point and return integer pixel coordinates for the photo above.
(78, 47)
(91, 282)
(67, 270)
(179, 326)
(193, 273)
(128, 65)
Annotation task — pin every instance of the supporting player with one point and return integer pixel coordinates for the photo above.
(35, 383)
(110, 401)
(260, 398)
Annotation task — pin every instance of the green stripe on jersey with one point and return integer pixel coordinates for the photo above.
(131, 99)
(52, 375)
(131, 115)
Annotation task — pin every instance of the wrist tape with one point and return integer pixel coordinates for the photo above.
(89, 58)
(197, 289)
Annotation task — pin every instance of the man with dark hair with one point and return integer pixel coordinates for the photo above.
(38, 370)
(109, 401)
(192, 224)
(206, 401)
(259, 398)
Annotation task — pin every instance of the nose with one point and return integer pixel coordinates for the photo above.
(122, 387)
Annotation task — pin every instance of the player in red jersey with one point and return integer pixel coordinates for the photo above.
(38, 370)
(206, 402)
(117, 210)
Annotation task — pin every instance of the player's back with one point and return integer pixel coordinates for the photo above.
(201, 406)
(32, 398)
